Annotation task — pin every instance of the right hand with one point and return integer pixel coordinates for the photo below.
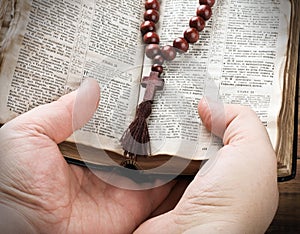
(239, 193)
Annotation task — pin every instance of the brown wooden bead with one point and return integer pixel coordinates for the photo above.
(151, 15)
(157, 68)
(147, 26)
(152, 4)
(181, 44)
(204, 11)
(152, 50)
(197, 23)
(191, 35)
(151, 38)
(168, 52)
(207, 2)
(158, 59)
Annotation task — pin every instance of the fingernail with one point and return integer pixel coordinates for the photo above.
(84, 83)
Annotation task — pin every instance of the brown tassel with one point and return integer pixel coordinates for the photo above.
(136, 140)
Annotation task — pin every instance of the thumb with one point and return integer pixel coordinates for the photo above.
(212, 114)
(232, 123)
(59, 119)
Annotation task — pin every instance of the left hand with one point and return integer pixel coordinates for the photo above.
(40, 192)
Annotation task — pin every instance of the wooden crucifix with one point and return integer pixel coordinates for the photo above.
(136, 140)
(152, 83)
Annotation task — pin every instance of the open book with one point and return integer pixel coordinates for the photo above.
(247, 54)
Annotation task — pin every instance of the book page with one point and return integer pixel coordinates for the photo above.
(240, 58)
(52, 46)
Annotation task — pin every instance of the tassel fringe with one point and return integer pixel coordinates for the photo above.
(136, 140)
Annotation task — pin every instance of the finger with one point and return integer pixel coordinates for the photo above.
(59, 119)
(231, 122)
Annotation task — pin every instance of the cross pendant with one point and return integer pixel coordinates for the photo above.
(152, 83)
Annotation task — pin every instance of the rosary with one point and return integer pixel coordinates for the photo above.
(136, 140)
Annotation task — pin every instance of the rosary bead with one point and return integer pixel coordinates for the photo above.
(197, 23)
(152, 4)
(204, 11)
(158, 59)
(181, 44)
(151, 15)
(168, 52)
(157, 68)
(191, 35)
(151, 38)
(152, 50)
(207, 2)
(147, 26)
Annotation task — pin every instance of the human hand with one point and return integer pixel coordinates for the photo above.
(40, 192)
(238, 193)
